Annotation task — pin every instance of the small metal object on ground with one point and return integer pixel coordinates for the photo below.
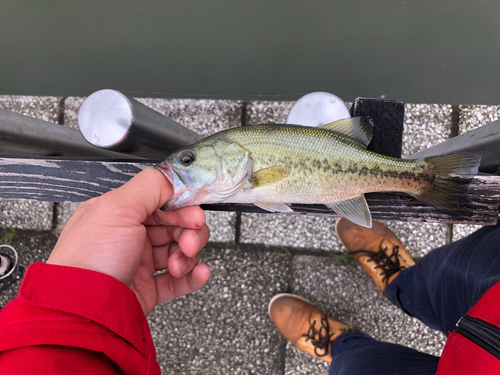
(9, 266)
(111, 120)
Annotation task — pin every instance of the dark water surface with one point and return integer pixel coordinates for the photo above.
(416, 51)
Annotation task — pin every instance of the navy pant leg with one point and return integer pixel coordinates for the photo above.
(449, 280)
(355, 353)
(439, 290)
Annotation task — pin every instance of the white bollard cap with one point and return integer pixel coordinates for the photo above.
(105, 118)
(316, 109)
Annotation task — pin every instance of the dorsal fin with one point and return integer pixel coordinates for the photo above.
(359, 129)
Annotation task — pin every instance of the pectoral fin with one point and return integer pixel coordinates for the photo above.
(355, 210)
(274, 207)
(270, 175)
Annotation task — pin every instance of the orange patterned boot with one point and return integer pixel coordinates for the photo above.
(304, 325)
(376, 249)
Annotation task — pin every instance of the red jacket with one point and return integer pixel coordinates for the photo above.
(474, 347)
(73, 321)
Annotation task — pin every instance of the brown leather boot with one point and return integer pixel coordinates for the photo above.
(376, 249)
(304, 325)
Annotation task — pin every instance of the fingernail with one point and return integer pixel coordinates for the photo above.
(184, 262)
(198, 224)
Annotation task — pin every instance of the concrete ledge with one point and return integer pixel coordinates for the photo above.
(426, 125)
(474, 116)
(47, 108)
(26, 214)
(267, 112)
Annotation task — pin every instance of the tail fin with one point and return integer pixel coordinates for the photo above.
(452, 173)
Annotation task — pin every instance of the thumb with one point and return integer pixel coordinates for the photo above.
(143, 194)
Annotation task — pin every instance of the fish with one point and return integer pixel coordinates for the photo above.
(275, 165)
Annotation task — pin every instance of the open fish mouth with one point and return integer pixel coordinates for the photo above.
(167, 171)
(178, 184)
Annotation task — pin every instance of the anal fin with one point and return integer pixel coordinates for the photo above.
(355, 210)
(274, 207)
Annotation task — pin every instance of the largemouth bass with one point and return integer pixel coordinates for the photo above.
(273, 165)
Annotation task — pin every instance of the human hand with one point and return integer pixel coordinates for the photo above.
(124, 234)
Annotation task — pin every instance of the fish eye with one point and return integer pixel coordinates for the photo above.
(186, 158)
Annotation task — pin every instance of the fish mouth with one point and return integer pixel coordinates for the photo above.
(177, 183)
(166, 170)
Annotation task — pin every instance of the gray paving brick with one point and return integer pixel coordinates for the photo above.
(309, 232)
(474, 116)
(463, 230)
(26, 214)
(222, 226)
(316, 232)
(261, 112)
(342, 289)
(205, 117)
(29, 214)
(64, 210)
(418, 238)
(45, 108)
(425, 125)
(72, 105)
(224, 328)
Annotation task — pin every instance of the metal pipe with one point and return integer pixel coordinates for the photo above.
(114, 121)
(26, 136)
(484, 141)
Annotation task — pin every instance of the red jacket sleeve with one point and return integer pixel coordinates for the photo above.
(74, 321)
(462, 356)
